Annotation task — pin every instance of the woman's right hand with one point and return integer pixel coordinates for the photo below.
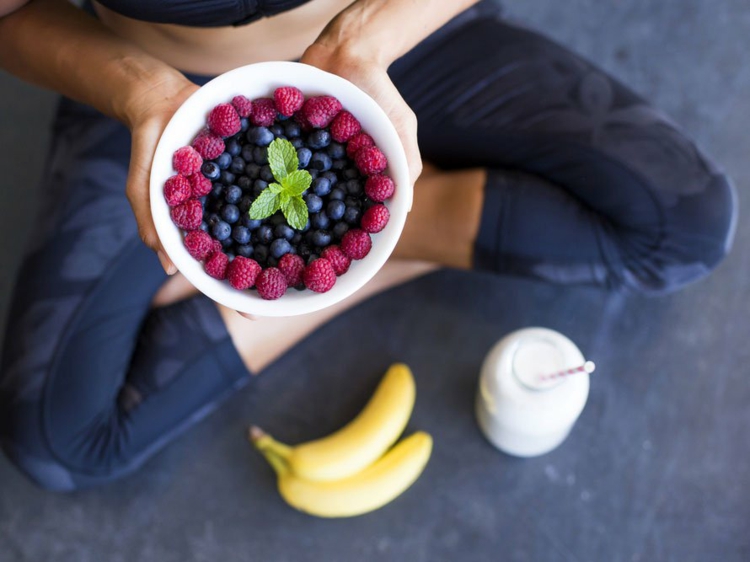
(146, 113)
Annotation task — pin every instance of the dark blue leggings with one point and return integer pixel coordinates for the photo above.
(586, 184)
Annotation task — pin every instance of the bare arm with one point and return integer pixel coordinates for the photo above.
(53, 44)
(364, 39)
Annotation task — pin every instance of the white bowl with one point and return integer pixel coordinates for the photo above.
(260, 80)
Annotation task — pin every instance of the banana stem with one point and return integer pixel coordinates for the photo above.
(263, 441)
(279, 465)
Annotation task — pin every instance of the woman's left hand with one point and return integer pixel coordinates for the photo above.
(372, 77)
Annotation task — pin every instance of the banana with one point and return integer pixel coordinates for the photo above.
(364, 439)
(365, 491)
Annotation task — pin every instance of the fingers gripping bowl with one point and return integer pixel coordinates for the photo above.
(260, 81)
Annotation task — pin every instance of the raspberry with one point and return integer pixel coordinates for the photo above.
(303, 122)
(319, 276)
(199, 244)
(370, 160)
(186, 161)
(188, 215)
(356, 244)
(243, 106)
(200, 185)
(216, 265)
(271, 284)
(339, 260)
(242, 272)
(217, 247)
(177, 190)
(320, 111)
(344, 127)
(264, 112)
(292, 267)
(288, 100)
(379, 188)
(208, 145)
(223, 120)
(357, 142)
(375, 218)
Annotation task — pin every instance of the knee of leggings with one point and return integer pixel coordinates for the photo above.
(697, 236)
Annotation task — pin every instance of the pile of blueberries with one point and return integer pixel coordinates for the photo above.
(335, 200)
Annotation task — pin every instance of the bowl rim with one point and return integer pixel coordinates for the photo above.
(293, 302)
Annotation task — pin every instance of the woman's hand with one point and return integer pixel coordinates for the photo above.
(371, 76)
(147, 114)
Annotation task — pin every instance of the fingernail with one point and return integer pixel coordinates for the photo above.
(166, 263)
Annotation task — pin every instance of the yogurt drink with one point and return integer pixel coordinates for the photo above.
(519, 410)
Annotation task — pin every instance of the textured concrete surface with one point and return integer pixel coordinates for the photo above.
(658, 467)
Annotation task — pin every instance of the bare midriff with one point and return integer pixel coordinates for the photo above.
(213, 50)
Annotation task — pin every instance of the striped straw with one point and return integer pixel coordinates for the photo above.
(587, 367)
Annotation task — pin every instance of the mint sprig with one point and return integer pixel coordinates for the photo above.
(286, 193)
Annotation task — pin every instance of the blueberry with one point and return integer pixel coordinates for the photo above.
(354, 187)
(337, 194)
(250, 224)
(311, 258)
(227, 243)
(261, 136)
(245, 250)
(284, 231)
(335, 209)
(351, 173)
(279, 247)
(266, 174)
(237, 166)
(204, 226)
(260, 253)
(213, 218)
(319, 220)
(280, 117)
(304, 155)
(321, 238)
(224, 160)
(321, 186)
(230, 213)
(211, 170)
(318, 139)
(221, 231)
(277, 219)
(307, 225)
(277, 130)
(351, 201)
(247, 153)
(217, 192)
(351, 215)
(244, 124)
(297, 143)
(260, 155)
(227, 177)
(320, 161)
(241, 235)
(336, 151)
(292, 129)
(233, 194)
(339, 229)
(303, 249)
(313, 173)
(314, 203)
(258, 187)
(245, 203)
(296, 239)
(272, 262)
(330, 176)
(339, 164)
(233, 148)
(264, 234)
(245, 183)
(252, 171)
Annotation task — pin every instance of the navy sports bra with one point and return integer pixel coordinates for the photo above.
(200, 13)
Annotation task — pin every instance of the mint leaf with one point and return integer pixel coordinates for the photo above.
(295, 211)
(284, 198)
(265, 205)
(297, 182)
(275, 188)
(282, 158)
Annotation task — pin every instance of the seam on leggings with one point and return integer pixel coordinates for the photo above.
(68, 331)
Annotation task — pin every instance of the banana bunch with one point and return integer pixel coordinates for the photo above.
(355, 469)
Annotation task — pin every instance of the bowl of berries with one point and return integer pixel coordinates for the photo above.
(279, 189)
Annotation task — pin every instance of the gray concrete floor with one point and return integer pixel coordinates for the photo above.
(688, 56)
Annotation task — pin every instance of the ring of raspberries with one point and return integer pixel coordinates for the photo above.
(279, 192)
